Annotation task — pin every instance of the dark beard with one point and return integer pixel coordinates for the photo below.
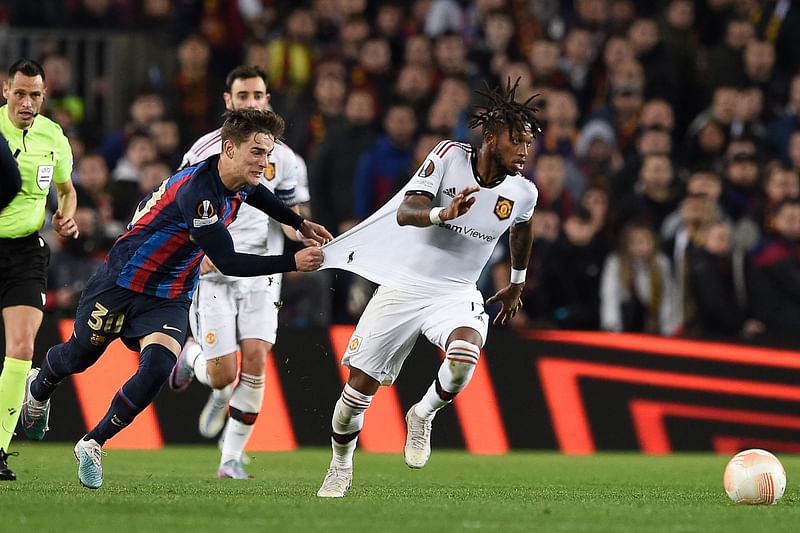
(497, 162)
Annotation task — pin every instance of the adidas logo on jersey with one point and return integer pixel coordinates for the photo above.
(451, 192)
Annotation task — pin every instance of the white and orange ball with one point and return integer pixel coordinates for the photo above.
(754, 477)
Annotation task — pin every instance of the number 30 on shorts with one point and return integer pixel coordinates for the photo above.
(102, 320)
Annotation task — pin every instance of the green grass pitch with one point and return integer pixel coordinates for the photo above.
(174, 489)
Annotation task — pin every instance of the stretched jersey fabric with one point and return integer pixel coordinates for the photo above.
(157, 255)
(442, 258)
(253, 231)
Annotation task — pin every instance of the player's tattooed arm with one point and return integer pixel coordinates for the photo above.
(520, 241)
(415, 210)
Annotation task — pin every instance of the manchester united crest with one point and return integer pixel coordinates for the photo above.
(503, 208)
(211, 338)
(269, 172)
(355, 344)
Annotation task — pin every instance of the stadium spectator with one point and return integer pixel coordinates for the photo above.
(659, 63)
(124, 187)
(42, 152)
(725, 62)
(382, 167)
(92, 186)
(373, 71)
(333, 168)
(571, 277)
(654, 196)
(166, 137)
(407, 263)
(146, 108)
(292, 55)
(696, 214)
(63, 105)
(414, 85)
(775, 269)
(712, 284)
(787, 122)
(315, 114)
(598, 157)
(131, 297)
(741, 191)
(496, 47)
(543, 59)
(636, 288)
(192, 87)
(625, 102)
(418, 51)
(550, 174)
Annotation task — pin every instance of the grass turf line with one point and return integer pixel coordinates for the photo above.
(174, 489)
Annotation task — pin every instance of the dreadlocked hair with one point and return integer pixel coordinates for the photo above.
(504, 112)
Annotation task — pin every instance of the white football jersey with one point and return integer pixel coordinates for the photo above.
(440, 258)
(253, 232)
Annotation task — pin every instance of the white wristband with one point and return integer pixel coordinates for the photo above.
(434, 215)
(518, 276)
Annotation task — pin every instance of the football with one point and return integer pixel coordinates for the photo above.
(754, 477)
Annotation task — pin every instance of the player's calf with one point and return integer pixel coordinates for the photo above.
(454, 375)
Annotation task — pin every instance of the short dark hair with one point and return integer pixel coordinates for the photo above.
(241, 124)
(245, 72)
(28, 67)
(503, 112)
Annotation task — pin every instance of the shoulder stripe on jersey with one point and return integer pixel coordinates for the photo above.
(167, 198)
(206, 145)
(466, 148)
(443, 146)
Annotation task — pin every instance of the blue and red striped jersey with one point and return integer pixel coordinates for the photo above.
(157, 255)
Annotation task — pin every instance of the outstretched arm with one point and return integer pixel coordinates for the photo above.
(520, 241)
(216, 242)
(416, 209)
(264, 200)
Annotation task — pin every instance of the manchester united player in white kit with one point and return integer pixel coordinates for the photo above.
(426, 248)
(230, 313)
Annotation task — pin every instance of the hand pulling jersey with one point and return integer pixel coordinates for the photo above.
(441, 258)
(253, 231)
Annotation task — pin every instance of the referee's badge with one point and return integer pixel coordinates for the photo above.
(503, 208)
(44, 176)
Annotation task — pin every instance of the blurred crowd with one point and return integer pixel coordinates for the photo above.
(669, 196)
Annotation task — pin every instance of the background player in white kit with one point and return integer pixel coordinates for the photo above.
(228, 313)
(427, 260)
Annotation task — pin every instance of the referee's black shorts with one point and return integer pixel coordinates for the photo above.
(23, 271)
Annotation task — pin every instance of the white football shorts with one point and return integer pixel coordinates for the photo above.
(393, 320)
(223, 313)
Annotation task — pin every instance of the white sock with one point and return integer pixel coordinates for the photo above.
(348, 418)
(454, 374)
(247, 398)
(235, 438)
(430, 403)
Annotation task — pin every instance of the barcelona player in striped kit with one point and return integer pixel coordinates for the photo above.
(143, 291)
